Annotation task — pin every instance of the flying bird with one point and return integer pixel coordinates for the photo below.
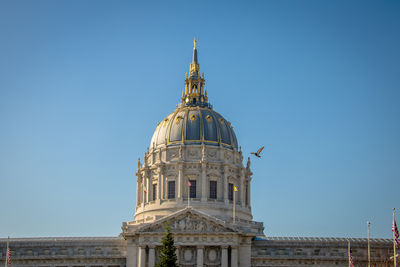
(257, 154)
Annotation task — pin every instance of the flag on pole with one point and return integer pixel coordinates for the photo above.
(235, 189)
(8, 255)
(351, 262)
(395, 233)
(189, 183)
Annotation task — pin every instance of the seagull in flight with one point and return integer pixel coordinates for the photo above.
(257, 154)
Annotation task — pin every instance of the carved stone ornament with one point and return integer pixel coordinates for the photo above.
(172, 154)
(189, 222)
(193, 153)
(212, 153)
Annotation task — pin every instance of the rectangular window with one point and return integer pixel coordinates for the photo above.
(154, 191)
(230, 192)
(192, 191)
(171, 189)
(213, 189)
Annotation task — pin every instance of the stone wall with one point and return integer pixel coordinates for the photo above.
(65, 252)
(270, 251)
(292, 251)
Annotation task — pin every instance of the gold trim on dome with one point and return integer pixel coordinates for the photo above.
(193, 117)
(221, 120)
(208, 118)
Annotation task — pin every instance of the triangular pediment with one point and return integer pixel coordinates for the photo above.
(189, 221)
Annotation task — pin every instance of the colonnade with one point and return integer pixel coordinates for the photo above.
(137, 256)
(143, 197)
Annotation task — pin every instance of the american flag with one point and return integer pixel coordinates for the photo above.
(8, 257)
(351, 259)
(189, 183)
(395, 233)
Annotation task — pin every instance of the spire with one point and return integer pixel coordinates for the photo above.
(194, 60)
(194, 66)
(194, 93)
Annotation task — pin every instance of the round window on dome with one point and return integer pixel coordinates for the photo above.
(165, 122)
(178, 119)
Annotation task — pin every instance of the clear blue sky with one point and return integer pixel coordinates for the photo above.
(84, 83)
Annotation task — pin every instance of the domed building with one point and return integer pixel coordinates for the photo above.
(193, 176)
(193, 158)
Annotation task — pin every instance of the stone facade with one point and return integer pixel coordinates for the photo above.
(301, 251)
(199, 248)
(198, 164)
(65, 252)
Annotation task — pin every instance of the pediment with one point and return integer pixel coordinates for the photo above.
(189, 221)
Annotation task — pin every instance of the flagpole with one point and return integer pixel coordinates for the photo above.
(348, 251)
(234, 206)
(6, 261)
(369, 253)
(394, 242)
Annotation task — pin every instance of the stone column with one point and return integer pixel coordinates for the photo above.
(179, 184)
(159, 182)
(249, 192)
(137, 191)
(200, 260)
(148, 187)
(152, 257)
(203, 182)
(142, 193)
(142, 257)
(178, 248)
(131, 253)
(224, 256)
(243, 186)
(234, 257)
(226, 185)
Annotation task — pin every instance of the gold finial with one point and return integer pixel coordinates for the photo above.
(195, 42)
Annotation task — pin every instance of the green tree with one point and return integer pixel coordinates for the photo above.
(167, 252)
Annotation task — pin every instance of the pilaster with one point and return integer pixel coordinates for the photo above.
(203, 182)
(234, 257)
(224, 256)
(179, 184)
(242, 189)
(200, 256)
(131, 253)
(245, 253)
(159, 184)
(226, 185)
